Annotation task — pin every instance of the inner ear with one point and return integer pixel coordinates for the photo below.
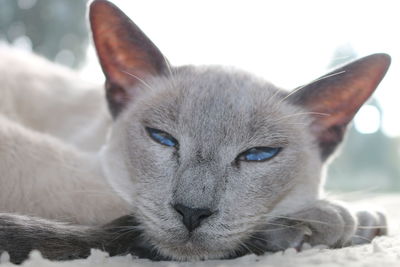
(127, 56)
(334, 99)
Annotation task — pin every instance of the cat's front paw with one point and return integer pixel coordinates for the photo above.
(324, 223)
(370, 225)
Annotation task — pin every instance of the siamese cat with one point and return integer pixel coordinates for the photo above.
(206, 162)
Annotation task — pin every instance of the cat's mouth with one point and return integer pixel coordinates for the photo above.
(198, 251)
(196, 246)
(201, 245)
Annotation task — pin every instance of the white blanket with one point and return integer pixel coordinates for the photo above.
(383, 251)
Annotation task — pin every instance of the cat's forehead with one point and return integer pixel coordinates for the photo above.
(203, 101)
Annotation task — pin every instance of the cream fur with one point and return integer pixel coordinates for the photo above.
(60, 160)
(52, 125)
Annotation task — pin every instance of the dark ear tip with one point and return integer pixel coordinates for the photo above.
(101, 5)
(382, 58)
(102, 11)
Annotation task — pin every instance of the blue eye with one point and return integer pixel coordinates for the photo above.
(259, 153)
(161, 137)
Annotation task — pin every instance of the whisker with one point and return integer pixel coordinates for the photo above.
(278, 91)
(372, 227)
(303, 86)
(243, 244)
(281, 225)
(168, 65)
(302, 114)
(148, 218)
(122, 234)
(273, 230)
(94, 192)
(139, 79)
(301, 220)
(297, 219)
(266, 241)
(297, 123)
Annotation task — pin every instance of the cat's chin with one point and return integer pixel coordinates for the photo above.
(195, 252)
(198, 246)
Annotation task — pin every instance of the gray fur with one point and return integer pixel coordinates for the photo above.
(215, 114)
(19, 235)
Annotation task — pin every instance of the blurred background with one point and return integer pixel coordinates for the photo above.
(287, 42)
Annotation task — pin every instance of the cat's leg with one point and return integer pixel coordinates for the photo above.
(325, 223)
(45, 177)
(19, 235)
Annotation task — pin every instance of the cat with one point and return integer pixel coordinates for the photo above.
(53, 124)
(205, 162)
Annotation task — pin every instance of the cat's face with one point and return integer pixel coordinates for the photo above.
(214, 115)
(207, 156)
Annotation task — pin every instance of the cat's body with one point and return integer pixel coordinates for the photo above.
(53, 125)
(52, 99)
(209, 160)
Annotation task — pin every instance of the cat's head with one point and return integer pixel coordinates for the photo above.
(208, 155)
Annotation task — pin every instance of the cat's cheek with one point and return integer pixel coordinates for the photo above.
(266, 181)
(152, 167)
(117, 174)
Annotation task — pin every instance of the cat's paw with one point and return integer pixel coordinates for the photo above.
(324, 223)
(370, 225)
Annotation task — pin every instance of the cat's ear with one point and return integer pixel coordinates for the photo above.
(335, 98)
(127, 56)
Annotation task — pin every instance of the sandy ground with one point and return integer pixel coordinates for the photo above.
(383, 251)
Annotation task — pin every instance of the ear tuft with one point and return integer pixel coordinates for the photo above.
(339, 95)
(127, 56)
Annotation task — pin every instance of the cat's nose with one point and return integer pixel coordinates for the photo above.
(191, 217)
